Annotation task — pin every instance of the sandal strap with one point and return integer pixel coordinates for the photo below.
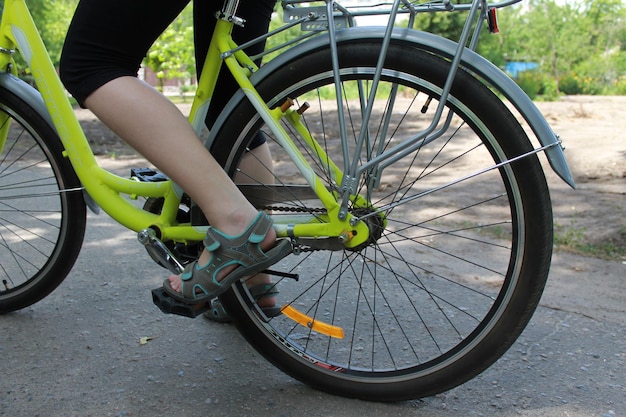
(244, 249)
(199, 282)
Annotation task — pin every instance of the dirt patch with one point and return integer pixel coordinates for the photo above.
(589, 219)
(592, 128)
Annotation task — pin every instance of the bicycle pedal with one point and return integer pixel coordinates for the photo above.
(169, 305)
(147, 175)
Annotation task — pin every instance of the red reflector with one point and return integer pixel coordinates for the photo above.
(492, 19)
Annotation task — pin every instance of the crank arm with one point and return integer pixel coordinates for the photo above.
(159, 252)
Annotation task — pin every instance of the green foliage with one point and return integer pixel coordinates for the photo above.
(448, 25)
(172, 55)
(620, 86)
(531, 82)
(52, 19)
(503, 46)
(574, 239)
(549, 89)
(351, 90)
(570, 84)
(280, 38)
(580, 45)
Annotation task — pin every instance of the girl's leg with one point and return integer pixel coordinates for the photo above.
(104, 48)
(257, 163)
(155, 127)
(109, 38)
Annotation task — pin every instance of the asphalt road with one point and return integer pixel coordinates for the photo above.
(78, 352)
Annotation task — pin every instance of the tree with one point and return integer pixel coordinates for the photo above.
(52, 19)
(579, 43)
(505, 45)
(448, 25)
(607, 28)
(558, 37)
(282, 37)
(172, 55)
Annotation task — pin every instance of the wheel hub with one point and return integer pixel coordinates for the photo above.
(375, 223)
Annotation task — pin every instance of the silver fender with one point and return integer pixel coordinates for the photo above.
(33, 98)
(441, 47)
(27, 93)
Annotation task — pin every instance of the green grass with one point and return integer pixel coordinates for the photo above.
(573, 239)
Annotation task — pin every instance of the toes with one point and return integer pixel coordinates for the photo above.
(175, 282)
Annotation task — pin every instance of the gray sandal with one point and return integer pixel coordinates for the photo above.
(199, 283)
(219, 314)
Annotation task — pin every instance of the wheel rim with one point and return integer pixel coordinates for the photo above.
(408, 309)
(33, 215)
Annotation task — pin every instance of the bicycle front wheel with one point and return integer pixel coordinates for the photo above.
(42, 210)
(460, 246)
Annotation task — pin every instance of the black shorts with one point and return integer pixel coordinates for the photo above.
(108, 39)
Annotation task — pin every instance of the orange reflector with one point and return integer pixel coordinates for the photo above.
(316, 325)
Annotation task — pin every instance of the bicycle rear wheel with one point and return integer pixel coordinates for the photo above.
(42, 210)
(459, 257)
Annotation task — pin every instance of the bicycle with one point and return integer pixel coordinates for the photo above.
(398, 165)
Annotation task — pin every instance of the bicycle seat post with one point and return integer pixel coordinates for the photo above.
(229, 11)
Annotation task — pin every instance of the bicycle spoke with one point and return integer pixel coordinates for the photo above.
(444, 213)
(31, 215)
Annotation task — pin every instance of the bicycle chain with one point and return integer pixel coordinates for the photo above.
(301, 248)
(295, 209)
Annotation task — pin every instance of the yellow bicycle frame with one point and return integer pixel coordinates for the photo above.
(112, 192)
(17, 30)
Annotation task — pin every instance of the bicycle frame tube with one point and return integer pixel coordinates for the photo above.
(224, 50)
(241, 67)
(17, 29)
(111, 192)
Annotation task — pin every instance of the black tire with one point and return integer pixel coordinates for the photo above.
(41, 227)
(454, 274)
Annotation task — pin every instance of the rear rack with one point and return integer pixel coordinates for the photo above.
(313, 16)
